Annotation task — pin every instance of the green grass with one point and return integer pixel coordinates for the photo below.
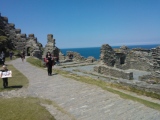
(8, 58)
(17, 80)
(34, 61)
(17, 108)
(23, 109)
(104, 85)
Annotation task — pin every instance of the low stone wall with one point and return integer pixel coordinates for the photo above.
(138, 64)
(113, 72)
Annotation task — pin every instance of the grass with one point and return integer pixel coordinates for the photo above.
(104, 85)
(18, 80)
(34, 61)
(8, 58)
(17, 108)
(23, 109)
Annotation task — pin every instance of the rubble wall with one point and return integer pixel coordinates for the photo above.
(136, 64)
(113, 72)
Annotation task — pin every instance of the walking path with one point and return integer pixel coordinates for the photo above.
(81, 100)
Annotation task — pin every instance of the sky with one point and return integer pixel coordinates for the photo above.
(86, 23)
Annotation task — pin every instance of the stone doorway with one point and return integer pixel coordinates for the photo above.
(28, 51)
(122, 60)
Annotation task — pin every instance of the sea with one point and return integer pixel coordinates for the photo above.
(95, 51)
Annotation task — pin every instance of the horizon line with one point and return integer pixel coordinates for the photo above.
(158, 44)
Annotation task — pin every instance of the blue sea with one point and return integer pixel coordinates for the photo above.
(95, 51)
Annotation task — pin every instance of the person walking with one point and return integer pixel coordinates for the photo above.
(5, 80)
(10, 55)
(22, 55)
(49, 63)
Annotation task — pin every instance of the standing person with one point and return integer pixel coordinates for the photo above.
(10, 55)
(49, 63)
(3, 57)
(5, 80)
(22, 56)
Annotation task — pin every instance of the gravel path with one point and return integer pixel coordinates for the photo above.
(83, 101)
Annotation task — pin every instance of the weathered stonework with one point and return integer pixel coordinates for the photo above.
(76, 56)
(110, 71)
(90, 59)
(19, 41)
(124, 59)
(107, 55)
(50, 47)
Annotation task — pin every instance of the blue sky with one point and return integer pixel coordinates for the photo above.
(86, 23)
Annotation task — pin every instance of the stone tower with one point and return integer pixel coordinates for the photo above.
(50, 46)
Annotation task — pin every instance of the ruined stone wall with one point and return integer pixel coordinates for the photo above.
(50, 47)
(107, 55)
(90, 59)
(155, 52)
(136, 60)
(5, 36)
(76, 56)
(110, 71)
(20, 41)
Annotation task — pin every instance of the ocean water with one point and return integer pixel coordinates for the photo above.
(95, 51)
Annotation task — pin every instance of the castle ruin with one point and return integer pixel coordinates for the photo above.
(115, 62)
(19, 41)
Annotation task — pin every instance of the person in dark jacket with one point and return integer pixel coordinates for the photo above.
(10, 55)
(5, 80)
(49, 63)
(3, 57)
(22, 55)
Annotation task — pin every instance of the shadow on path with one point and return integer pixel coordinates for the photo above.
(15, 86)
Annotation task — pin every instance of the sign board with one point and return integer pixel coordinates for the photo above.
(5, 74)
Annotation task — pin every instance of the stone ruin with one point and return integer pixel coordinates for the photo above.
(78, 58)
(50, 47)
(110, 58)
(21, 42)
(115, 62)
(107, 55)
